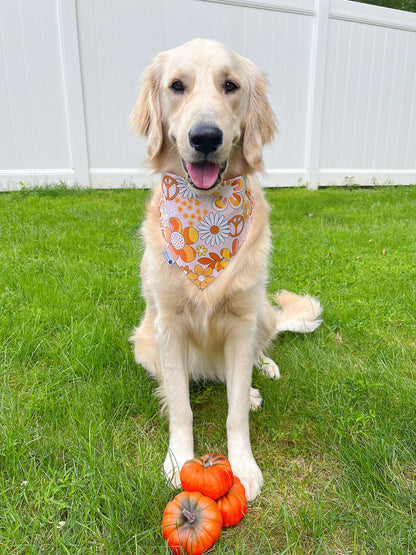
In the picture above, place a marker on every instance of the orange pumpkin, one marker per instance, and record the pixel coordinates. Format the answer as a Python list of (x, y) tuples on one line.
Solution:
[(192, 523), (233, 505), (210, 474)]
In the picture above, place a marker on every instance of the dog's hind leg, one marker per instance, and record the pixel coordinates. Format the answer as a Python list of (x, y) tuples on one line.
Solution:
[(256, 401), (297, 314), (268, 367), (266, 332)]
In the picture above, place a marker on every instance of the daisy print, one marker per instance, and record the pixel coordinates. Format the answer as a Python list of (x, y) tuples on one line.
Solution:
[(214, 229), (185, 191)]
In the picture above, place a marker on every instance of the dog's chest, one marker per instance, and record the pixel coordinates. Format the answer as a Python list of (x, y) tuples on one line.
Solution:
[(206, 329)]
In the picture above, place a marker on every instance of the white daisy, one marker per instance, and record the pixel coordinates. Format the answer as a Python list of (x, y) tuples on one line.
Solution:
[(214, 229), (185, 191)]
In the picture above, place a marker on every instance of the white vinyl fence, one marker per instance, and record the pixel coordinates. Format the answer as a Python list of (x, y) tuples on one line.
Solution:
[(342, 83)]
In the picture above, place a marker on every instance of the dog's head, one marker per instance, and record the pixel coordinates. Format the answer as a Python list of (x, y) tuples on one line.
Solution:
[(205, 113)]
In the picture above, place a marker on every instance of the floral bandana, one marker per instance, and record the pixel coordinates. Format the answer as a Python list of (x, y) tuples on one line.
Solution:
[(203, 232)]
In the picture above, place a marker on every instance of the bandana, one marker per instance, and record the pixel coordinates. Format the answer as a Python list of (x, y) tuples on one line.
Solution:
[(203, 232)]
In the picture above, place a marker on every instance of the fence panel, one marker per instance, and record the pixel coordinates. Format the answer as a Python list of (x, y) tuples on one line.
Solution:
[(342, 83), (369, 124), (34, 131)]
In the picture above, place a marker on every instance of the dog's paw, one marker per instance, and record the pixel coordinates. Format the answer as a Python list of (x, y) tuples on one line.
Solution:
[(172, 468), (256, 401), (268, 367), (249, 474), (172, 472)]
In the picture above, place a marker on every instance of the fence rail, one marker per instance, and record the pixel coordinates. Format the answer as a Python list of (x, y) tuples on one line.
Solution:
[(342, 83)]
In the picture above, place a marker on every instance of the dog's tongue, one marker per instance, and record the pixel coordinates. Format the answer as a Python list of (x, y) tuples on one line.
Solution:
[(203, 175)]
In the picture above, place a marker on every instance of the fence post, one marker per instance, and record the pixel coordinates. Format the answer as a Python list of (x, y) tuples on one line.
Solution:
[(316, 92), (73, 90)]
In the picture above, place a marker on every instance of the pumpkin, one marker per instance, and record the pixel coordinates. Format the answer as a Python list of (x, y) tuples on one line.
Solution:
[(210, 474), (192, 523), (233, 505)]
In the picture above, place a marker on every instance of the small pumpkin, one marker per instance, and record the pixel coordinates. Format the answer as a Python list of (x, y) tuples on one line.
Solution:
[(210, 474), (233, 505), (191, 522)]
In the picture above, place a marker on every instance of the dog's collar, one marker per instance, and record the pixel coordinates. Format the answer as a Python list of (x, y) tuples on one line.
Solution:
[(203, 232)]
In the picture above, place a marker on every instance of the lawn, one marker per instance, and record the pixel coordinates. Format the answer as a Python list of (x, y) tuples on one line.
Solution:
[(81, 438)]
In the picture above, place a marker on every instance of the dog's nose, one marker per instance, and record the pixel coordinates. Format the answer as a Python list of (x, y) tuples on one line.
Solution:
[(205, 138)]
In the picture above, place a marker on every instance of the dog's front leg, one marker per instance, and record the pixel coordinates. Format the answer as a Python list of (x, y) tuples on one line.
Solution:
[(175, 374), (239, 366)]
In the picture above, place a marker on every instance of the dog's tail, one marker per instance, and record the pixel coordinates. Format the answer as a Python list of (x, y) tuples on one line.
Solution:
[(297, 313)]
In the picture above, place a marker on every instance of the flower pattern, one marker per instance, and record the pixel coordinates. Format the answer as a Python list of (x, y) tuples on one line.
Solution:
[(179, 240), (185, 191), (247, 208), (201, 250), (214, 229), (231, 193), (221, 261), (201, 277), (201, 230)]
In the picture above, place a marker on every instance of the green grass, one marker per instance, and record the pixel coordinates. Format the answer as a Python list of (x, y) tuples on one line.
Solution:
[(81, 439)]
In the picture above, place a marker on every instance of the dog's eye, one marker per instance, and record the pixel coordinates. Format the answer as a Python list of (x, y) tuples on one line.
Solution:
[(177, 86), (230, 86)]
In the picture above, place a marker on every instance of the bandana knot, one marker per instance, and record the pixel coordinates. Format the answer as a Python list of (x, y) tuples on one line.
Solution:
[(203, 232)]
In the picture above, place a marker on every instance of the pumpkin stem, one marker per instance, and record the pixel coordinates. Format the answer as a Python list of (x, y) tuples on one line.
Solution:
[(190, 517), (207, 463)]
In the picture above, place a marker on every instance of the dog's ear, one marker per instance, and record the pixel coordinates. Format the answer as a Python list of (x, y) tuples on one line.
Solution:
[(146, 117), (260, 125)]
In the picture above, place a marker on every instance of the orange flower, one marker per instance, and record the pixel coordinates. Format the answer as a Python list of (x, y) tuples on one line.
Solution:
[(232, 192), (201, 277), (215, 261), (180, 240), (247, 208)]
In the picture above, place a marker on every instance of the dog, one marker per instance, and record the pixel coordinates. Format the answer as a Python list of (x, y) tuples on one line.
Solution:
[(204, 111)]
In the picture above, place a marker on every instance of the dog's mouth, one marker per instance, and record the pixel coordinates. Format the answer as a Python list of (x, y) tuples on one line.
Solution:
[(204, 175)]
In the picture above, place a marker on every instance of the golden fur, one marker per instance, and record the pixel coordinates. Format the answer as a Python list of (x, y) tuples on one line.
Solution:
[(219, 332)]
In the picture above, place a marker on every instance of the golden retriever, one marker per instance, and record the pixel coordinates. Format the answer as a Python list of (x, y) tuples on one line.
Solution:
[(205, 114)]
